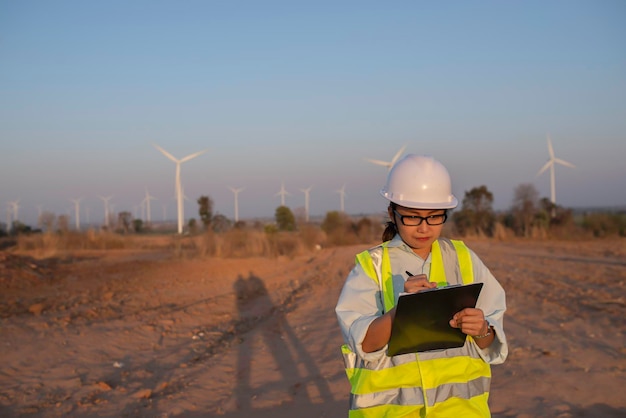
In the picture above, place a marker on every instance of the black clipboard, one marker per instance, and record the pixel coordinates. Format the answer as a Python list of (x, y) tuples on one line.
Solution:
[(422, 319)]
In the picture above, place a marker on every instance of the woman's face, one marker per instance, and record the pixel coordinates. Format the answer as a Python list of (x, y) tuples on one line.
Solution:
[(418, 237)]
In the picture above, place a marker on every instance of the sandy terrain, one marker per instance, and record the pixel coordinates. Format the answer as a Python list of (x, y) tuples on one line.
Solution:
[(125, 334)]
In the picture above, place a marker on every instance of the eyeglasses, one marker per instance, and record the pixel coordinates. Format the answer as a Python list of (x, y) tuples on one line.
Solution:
[(414, 220)]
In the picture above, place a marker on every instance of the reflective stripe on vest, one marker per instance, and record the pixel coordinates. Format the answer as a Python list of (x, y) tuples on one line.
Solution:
[(453, 382)]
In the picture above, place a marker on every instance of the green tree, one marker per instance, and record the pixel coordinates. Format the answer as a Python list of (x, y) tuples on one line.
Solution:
[(285, 220), (138, 225), (220, 223), (18, 228), (205, 210), (524, 208), (333, 222), (476, 214), (124, 220), (340, 229), (192, 224)]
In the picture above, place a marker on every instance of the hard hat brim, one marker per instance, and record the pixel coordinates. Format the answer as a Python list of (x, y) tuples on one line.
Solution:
[(451, 204)]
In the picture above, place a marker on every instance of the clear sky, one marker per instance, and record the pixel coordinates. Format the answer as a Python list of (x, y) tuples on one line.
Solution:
[(303, 92)]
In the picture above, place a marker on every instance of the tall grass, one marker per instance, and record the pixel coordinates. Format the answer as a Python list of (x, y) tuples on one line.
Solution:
[(257, 241), (54, 243)]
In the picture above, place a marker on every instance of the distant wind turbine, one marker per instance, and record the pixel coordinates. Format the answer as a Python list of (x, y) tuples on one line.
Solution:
[(388, 164), (9, 214), (306, 202), (179, 188), (282, 193), (147, 201), (236, 192), (106, 209), (342, 196), (16, 207), (39, 211), (77, 212), (550, 164)]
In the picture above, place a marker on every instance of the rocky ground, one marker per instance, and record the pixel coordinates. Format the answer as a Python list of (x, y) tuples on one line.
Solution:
[(144, 333)]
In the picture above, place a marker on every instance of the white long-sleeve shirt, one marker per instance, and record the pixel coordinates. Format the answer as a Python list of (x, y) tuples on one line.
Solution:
[(360, 302)]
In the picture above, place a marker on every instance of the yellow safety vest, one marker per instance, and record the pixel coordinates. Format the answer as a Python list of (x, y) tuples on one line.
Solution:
[(440, 383)]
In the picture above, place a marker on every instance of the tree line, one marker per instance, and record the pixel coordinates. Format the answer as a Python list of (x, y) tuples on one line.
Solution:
[(529, 216)]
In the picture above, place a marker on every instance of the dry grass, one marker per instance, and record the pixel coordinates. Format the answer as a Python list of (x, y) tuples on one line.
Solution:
[(239, 242), (52, 244)]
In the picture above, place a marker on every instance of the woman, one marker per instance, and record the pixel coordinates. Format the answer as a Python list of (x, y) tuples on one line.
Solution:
[(413, 257)]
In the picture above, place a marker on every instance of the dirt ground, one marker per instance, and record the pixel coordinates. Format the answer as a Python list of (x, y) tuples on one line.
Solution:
[(146, 334)]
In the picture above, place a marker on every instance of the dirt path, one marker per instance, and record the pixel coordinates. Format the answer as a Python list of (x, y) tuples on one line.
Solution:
[(147, 335)]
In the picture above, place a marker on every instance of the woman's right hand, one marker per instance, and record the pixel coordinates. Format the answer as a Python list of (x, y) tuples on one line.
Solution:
[(418, 283)]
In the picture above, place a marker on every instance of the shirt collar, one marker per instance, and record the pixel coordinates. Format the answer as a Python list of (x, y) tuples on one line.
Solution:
[(397, 242)]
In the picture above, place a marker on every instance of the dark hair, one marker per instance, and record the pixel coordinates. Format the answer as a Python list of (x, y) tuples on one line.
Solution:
[(390, 227)]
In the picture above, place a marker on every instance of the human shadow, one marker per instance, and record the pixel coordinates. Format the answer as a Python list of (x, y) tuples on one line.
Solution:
[(295, 366), (291, 384)]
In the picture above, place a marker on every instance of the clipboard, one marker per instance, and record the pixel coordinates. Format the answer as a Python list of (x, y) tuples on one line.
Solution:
[(422, 319)]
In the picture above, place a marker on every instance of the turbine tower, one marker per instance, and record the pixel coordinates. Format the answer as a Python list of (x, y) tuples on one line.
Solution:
[(236, 192), (179, 189), (9, 214), (388, 164), (342, 196), (147, 201), (77, 212), (16, 207), (39, 211), (106, 209), (306, 202), (282, 194), (550, 164)]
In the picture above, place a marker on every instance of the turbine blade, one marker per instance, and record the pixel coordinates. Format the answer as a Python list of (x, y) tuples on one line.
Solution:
[(398, 154), (544, 168), (379, 162), (550, 149), (194, 155), (563, 162), (167, 154)]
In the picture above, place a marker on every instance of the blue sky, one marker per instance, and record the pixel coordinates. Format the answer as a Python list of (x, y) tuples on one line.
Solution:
[(303, 92)]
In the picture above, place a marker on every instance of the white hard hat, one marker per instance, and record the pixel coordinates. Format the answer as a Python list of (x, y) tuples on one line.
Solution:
[(419, 182)]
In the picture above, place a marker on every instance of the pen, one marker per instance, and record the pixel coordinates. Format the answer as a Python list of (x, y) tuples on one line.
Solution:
[(409, 273)]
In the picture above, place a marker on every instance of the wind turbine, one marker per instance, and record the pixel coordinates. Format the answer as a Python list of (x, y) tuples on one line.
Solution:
[(179, 189), (39, 211), (106, 209), (306, 202), (236, 192), (147, 201), (282, 194), (342, 196), (77, 212), (388, 164), (550, 164), (16, 207), (9, 214)]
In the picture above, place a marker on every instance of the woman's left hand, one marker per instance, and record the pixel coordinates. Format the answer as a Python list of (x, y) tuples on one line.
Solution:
[(470, 321)]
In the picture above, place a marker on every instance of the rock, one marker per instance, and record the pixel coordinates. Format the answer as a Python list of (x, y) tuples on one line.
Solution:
[(104, 386), (143, 394), (36, 309)]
